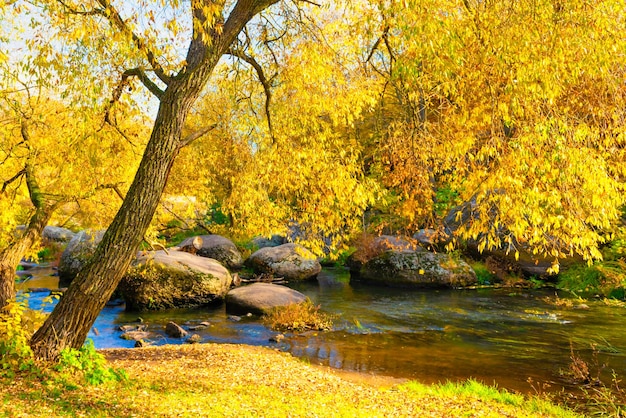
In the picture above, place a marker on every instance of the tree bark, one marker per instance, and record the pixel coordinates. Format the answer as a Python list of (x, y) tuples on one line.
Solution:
[(76, 312), (10, 257)]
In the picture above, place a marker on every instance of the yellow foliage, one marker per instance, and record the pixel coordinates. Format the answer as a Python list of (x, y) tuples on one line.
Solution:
[(518, 105)]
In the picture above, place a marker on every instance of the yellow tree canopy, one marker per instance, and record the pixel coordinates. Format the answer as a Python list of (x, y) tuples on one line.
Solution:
[(75, 158), (519, 105), (294, 158)]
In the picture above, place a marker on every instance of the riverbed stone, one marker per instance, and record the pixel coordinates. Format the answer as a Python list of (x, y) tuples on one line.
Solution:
[(78, 251), (261, 298), (174, 330), (291, 261), (421, 269), (58, 234), (137, 335), (160, 280), (214, 246), (273, 241)]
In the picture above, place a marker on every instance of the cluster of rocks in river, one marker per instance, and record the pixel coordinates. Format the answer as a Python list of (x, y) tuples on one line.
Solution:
[(198, 273), (204, 270)]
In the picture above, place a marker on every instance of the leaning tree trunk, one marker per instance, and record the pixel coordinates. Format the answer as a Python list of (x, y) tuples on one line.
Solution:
[(77, 310), (10, 257)]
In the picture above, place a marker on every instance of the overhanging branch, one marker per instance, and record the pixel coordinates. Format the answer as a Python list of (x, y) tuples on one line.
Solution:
[(12, 179), (116, 20), (264, 82), (197, 134)]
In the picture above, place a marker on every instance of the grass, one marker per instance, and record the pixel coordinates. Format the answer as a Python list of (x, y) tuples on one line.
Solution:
[(243, 381)]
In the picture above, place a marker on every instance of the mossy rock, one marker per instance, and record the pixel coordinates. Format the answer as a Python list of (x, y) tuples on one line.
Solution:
[(291, 261), (79, 250), (160, 280), (214, 246), (419, 269)]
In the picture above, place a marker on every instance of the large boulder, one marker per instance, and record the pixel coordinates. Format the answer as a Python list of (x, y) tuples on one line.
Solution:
[(291, 261), (260, 298), (417, 269), (370, 247), (214, 246), (78, 251), (58, 234), (160, 280), (273, 241)]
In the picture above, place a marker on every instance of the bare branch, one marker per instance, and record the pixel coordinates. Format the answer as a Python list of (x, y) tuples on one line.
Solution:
[(264, 81), (377, 44), (116, 20), (74, 11), (12, 179), (197, 134)]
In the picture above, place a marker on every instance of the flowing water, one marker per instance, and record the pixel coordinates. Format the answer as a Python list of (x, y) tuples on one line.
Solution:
[(502, 336)]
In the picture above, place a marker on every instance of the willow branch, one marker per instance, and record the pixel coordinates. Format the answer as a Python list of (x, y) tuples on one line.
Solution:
[(12, 179), (116, 20), (197, 134), (377, 44), (264, 82), (74, 11)]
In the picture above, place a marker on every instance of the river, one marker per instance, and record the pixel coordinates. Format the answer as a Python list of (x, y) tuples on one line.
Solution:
[(497, 336)]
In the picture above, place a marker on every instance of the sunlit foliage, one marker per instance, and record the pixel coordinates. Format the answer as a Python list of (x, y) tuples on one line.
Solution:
[(518, 105)]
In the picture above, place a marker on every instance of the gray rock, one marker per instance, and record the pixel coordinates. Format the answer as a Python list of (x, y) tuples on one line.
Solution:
[(261, 298), (174, 330), (136, 335), (417, 269), (214, 246), (160, 280), (58, 234), (291, 261), (194, 339), (77, 253), (273, 241)]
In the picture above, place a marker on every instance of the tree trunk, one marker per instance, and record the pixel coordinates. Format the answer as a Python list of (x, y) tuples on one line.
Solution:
[(79, 307), (77, 310), (10, 257)]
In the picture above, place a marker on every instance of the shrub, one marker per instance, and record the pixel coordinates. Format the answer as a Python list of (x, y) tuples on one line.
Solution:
[(299, 317), (15, 332), (88, 365)]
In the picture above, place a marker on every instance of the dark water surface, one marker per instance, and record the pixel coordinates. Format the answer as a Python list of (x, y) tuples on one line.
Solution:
[(502, 336)]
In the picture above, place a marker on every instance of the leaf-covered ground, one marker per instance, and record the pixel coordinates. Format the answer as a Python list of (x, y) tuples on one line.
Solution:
[(211, 380)]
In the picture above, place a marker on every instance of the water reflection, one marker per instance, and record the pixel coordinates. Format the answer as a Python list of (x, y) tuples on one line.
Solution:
[(496, 336)]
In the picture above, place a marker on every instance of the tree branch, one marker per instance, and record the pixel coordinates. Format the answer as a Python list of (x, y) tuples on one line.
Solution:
[(264, 81), (12, 179), (74, 11), (143, 77), (116, 20), (196, 135), (377, 43)]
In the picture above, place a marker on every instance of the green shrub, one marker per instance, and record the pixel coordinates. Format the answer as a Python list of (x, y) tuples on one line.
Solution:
[(17, 324), (88, 364), (483, 275), (607, 278)]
